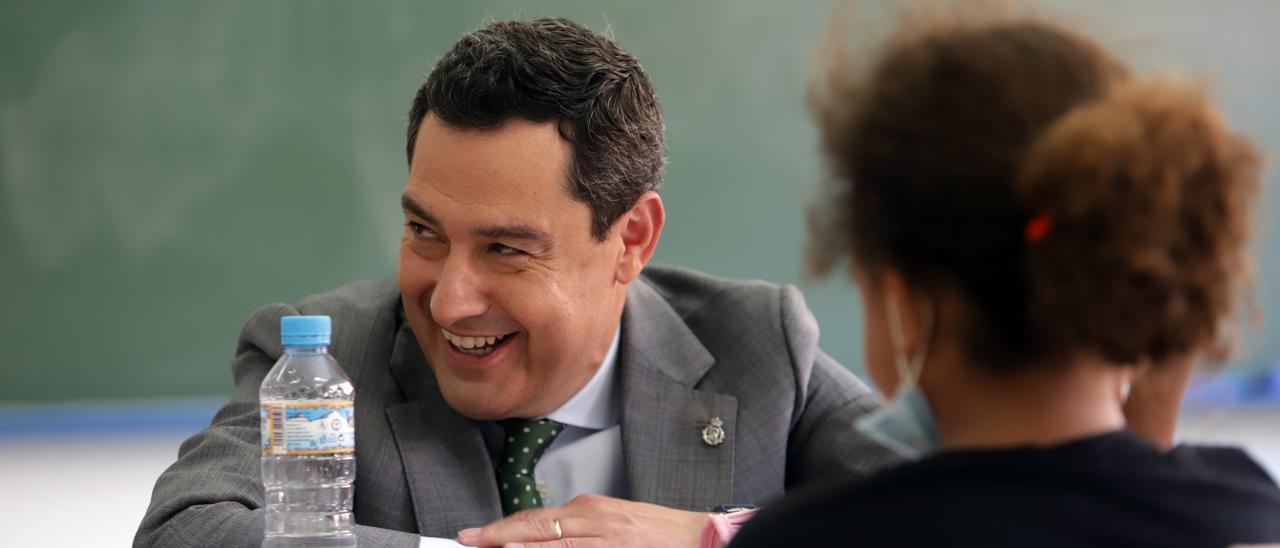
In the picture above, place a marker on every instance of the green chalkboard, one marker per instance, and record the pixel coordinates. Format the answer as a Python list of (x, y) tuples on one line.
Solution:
[(167, 167)]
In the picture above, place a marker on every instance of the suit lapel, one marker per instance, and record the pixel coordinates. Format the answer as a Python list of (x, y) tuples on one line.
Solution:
[(447, 464), (451, 479), (663, 416)]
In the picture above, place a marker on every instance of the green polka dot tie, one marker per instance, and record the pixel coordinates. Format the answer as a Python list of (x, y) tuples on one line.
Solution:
[(525, 442)]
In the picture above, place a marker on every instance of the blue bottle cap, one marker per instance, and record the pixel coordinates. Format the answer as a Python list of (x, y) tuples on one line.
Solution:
[(305, 330)]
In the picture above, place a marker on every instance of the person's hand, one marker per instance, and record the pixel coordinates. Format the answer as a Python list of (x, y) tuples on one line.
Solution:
[(1155, 398), (590, 521)]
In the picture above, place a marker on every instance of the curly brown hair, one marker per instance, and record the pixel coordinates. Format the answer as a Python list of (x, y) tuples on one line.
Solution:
[(1076, 207)]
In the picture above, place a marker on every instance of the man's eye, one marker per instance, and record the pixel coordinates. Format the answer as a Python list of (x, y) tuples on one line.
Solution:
[(419, 230), (505, 250)]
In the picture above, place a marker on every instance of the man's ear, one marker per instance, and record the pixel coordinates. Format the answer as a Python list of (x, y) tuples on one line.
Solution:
[(639, 229)]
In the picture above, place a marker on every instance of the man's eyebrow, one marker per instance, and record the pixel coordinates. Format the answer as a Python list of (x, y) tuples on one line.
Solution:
[(415, 208), (516, 231)]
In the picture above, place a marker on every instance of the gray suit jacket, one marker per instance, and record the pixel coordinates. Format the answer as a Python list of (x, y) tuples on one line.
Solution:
[(692, 347)]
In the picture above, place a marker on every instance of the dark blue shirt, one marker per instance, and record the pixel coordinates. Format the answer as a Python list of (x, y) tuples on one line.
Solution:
[(1114, 489)]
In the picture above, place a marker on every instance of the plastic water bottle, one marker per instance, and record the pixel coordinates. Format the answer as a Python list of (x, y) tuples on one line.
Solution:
[(308, 441)]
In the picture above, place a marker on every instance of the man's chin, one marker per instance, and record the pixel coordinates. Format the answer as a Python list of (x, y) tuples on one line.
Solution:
[(471, 393), (473, 404)]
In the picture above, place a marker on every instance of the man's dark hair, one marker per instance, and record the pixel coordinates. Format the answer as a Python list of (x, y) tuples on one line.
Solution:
[(554, 69)]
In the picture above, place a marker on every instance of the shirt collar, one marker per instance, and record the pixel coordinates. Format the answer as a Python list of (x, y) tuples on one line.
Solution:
[(595, 406)]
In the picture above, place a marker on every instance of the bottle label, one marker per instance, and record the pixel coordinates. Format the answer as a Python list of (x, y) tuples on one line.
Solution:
[(308, 428)]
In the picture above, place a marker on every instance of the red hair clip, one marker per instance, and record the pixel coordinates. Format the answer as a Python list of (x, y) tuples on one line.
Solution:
[(1038, 227)]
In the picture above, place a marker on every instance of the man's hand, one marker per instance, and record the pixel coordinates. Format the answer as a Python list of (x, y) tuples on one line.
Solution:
[(589, 521)]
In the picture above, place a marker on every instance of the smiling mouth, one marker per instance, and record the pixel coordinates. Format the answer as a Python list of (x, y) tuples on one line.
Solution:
[(475, 346)]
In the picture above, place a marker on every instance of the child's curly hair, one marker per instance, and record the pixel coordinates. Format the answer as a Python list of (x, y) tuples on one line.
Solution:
[(1076, 207)]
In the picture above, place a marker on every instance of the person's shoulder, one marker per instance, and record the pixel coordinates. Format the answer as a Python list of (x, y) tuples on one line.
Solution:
[(1101, 485), (689, 291), (708, 303), (1231, 485), (1230, 463), (730, 315), (842, 512), (750, 322), (961, 492)]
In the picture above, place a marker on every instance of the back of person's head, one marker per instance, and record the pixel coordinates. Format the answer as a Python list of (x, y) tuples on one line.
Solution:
[(553, 69), (1075, 207)]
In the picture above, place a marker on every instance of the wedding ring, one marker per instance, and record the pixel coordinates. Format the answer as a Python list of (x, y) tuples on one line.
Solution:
[(559, 533)]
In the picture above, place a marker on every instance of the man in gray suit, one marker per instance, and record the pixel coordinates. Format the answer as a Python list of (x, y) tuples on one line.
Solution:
[(524, 317)]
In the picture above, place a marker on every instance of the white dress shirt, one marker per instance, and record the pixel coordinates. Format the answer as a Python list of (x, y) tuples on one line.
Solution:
[(587, 456)]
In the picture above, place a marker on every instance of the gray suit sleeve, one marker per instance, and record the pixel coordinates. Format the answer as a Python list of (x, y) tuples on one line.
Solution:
[(824, 443), (212, 496)]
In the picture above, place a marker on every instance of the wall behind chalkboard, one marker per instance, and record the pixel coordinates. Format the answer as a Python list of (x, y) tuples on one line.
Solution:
[(167, 167)]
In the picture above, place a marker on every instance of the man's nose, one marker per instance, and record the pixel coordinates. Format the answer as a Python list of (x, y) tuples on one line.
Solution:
[(459, 293)]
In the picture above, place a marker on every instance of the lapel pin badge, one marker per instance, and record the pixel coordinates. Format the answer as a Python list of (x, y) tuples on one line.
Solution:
[(713, 434)]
